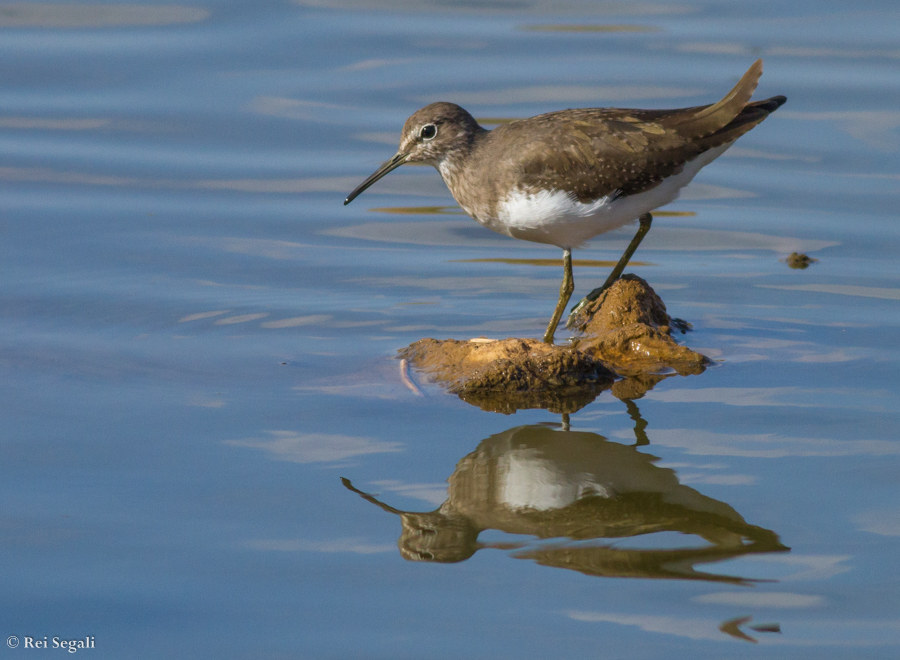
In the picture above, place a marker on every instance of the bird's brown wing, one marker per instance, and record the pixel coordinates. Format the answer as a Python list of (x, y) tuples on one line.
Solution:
[(600, 152)]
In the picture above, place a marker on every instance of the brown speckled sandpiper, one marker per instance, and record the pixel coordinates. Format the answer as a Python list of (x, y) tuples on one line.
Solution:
[(564, 177)]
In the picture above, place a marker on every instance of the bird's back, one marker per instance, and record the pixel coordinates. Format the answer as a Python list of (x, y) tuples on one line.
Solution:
[(602, 153)]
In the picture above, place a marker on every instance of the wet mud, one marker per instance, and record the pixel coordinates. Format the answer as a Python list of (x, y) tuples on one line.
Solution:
[(799, 261), (506, 375), (629, 330), (624, 342)]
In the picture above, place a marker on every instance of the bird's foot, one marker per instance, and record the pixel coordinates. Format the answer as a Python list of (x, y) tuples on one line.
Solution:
[(574, 319), (576, 316)]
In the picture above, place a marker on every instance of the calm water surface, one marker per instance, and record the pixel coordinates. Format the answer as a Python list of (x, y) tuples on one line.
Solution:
[(197, 340)]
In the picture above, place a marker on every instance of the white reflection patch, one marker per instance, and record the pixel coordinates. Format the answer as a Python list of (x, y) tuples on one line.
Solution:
[(874, 127), (718, 479), (297, 321), (567, 93), (531, 482), (671, 625), (883, 523), (201, 315), (243, 318), (806, 567), (669, 234), (274, 106), (772, 599), (73, 15), (794, 397), (765, 445), (840, 289), (805, 632), (41, 123), (434, 494), (316, 447)]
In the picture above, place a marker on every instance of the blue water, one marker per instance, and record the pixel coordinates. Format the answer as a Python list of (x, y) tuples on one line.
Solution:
[(197, 338)]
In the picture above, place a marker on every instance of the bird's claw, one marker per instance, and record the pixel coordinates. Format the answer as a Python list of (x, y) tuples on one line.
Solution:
[(574, 318)]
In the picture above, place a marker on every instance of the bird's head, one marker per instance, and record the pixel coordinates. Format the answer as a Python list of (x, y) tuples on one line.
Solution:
[(429, 136)]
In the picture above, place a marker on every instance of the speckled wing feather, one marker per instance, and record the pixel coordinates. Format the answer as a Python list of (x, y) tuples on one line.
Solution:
[(599, 152)]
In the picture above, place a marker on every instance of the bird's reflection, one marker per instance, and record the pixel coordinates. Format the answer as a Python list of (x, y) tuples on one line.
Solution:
[(568, 489)]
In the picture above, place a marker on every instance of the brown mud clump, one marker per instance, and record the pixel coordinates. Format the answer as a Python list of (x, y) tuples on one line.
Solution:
[(511, 374), (629, 330), (799, 260), (626, 333)]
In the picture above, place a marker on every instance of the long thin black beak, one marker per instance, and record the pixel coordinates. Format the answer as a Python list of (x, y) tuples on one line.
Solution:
[(395, 162), (370, 498)]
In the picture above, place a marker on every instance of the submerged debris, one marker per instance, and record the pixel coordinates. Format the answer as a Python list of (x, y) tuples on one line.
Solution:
[(799, 260), (625, 332)]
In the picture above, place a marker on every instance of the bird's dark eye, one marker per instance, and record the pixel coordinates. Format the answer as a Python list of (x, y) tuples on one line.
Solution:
[(428, 131)]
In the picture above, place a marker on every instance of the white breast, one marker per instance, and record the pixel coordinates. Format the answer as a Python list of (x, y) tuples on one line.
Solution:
[(527, 481), (558, 218)]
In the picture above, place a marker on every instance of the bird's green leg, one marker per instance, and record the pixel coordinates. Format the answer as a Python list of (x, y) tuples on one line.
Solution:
[(640, 424), (565, 292), (616, 273)]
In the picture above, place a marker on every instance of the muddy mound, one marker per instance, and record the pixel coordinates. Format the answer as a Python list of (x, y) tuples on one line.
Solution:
[(626, 332), (630, 331), (799, 260), (628, 301), (509, 374)]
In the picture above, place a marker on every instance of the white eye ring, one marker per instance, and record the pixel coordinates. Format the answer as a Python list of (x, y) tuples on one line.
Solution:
[(428, 132)]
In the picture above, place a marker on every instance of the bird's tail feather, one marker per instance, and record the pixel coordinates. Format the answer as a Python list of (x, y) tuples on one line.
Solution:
[(704, 121), (752, 115)]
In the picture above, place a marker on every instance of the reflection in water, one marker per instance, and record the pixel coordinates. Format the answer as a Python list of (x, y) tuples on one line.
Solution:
[(877, 128), (590, 28), (72, 15), (755, 50), (42, 123), (732, 627), (569, 400), (518, 7), (839, 289), (276, 106), (586, 263), (463, 233), (640, 425), (419, 210), (587, 94), (577, 487)]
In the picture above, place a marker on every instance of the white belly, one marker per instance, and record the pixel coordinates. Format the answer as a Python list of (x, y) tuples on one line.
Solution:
[(557, 218), (525, 480)]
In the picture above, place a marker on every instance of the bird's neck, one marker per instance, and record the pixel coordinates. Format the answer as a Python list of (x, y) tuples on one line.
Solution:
[(454, 168)]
